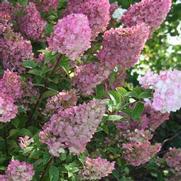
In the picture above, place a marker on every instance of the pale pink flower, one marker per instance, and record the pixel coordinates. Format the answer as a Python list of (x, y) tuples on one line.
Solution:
[(71, 36), (138, 153), (19, 171), (73, 127), (25, 141), (88, 76), (166, 86), (95, 169), (8, 109)]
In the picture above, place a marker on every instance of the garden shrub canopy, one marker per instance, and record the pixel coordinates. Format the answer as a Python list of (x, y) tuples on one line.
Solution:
[(90, 90)]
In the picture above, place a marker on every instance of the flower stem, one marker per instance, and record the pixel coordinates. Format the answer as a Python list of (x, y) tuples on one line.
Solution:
[(31, 118), (45, 169)]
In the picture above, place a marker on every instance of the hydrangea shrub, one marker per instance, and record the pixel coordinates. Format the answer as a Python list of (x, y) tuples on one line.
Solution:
[(67, 111)]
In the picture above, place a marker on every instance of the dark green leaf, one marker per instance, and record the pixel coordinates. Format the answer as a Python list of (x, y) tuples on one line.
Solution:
[(53, 173)]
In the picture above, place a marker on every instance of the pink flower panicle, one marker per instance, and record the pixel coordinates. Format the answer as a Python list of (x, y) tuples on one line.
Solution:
[(122, 46), (8, 109), (95, 169), (71, 36), (173, 159), (150, 12), (62, 100), (19, 171), (25, 141), (97, 12), (138, 135), (149, 79), (73, 127), (6, 10), (166, 86), (13, 50), (139, 150), (11, 85), (152, 119), (88, 76), (6, 7), (3, 178), (113, 7), (46, 5), (138, 153), (4, 22), (30, 23)]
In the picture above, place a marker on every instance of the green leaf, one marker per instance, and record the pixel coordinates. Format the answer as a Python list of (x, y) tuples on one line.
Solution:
[(29, 64), (122, 91), (100, 92), (136, 92), (35, 72), (136, 113), (53, 173), (113, 117), (145, 94), (49, 93), (71, 169)]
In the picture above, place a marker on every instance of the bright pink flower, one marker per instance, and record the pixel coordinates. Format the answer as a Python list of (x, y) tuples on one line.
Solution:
[(95, 169), (7, 8), (46, 5), (138, 153), (19, 171), (5, 16), (62, 100), (8, 109), (3, 178), (122, 46), (30, 23), (150, 12), (173, 159), (73, 127), (11, 84), (71, 36), (88, 76), (13, 50), (97, 12)]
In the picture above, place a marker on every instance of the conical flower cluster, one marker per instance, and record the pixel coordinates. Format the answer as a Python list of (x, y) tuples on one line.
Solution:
[(30, 22), (71, 36), (95, 169), (166, 86), (150, 12), (122, 46), (97, 11), (73, 127)]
